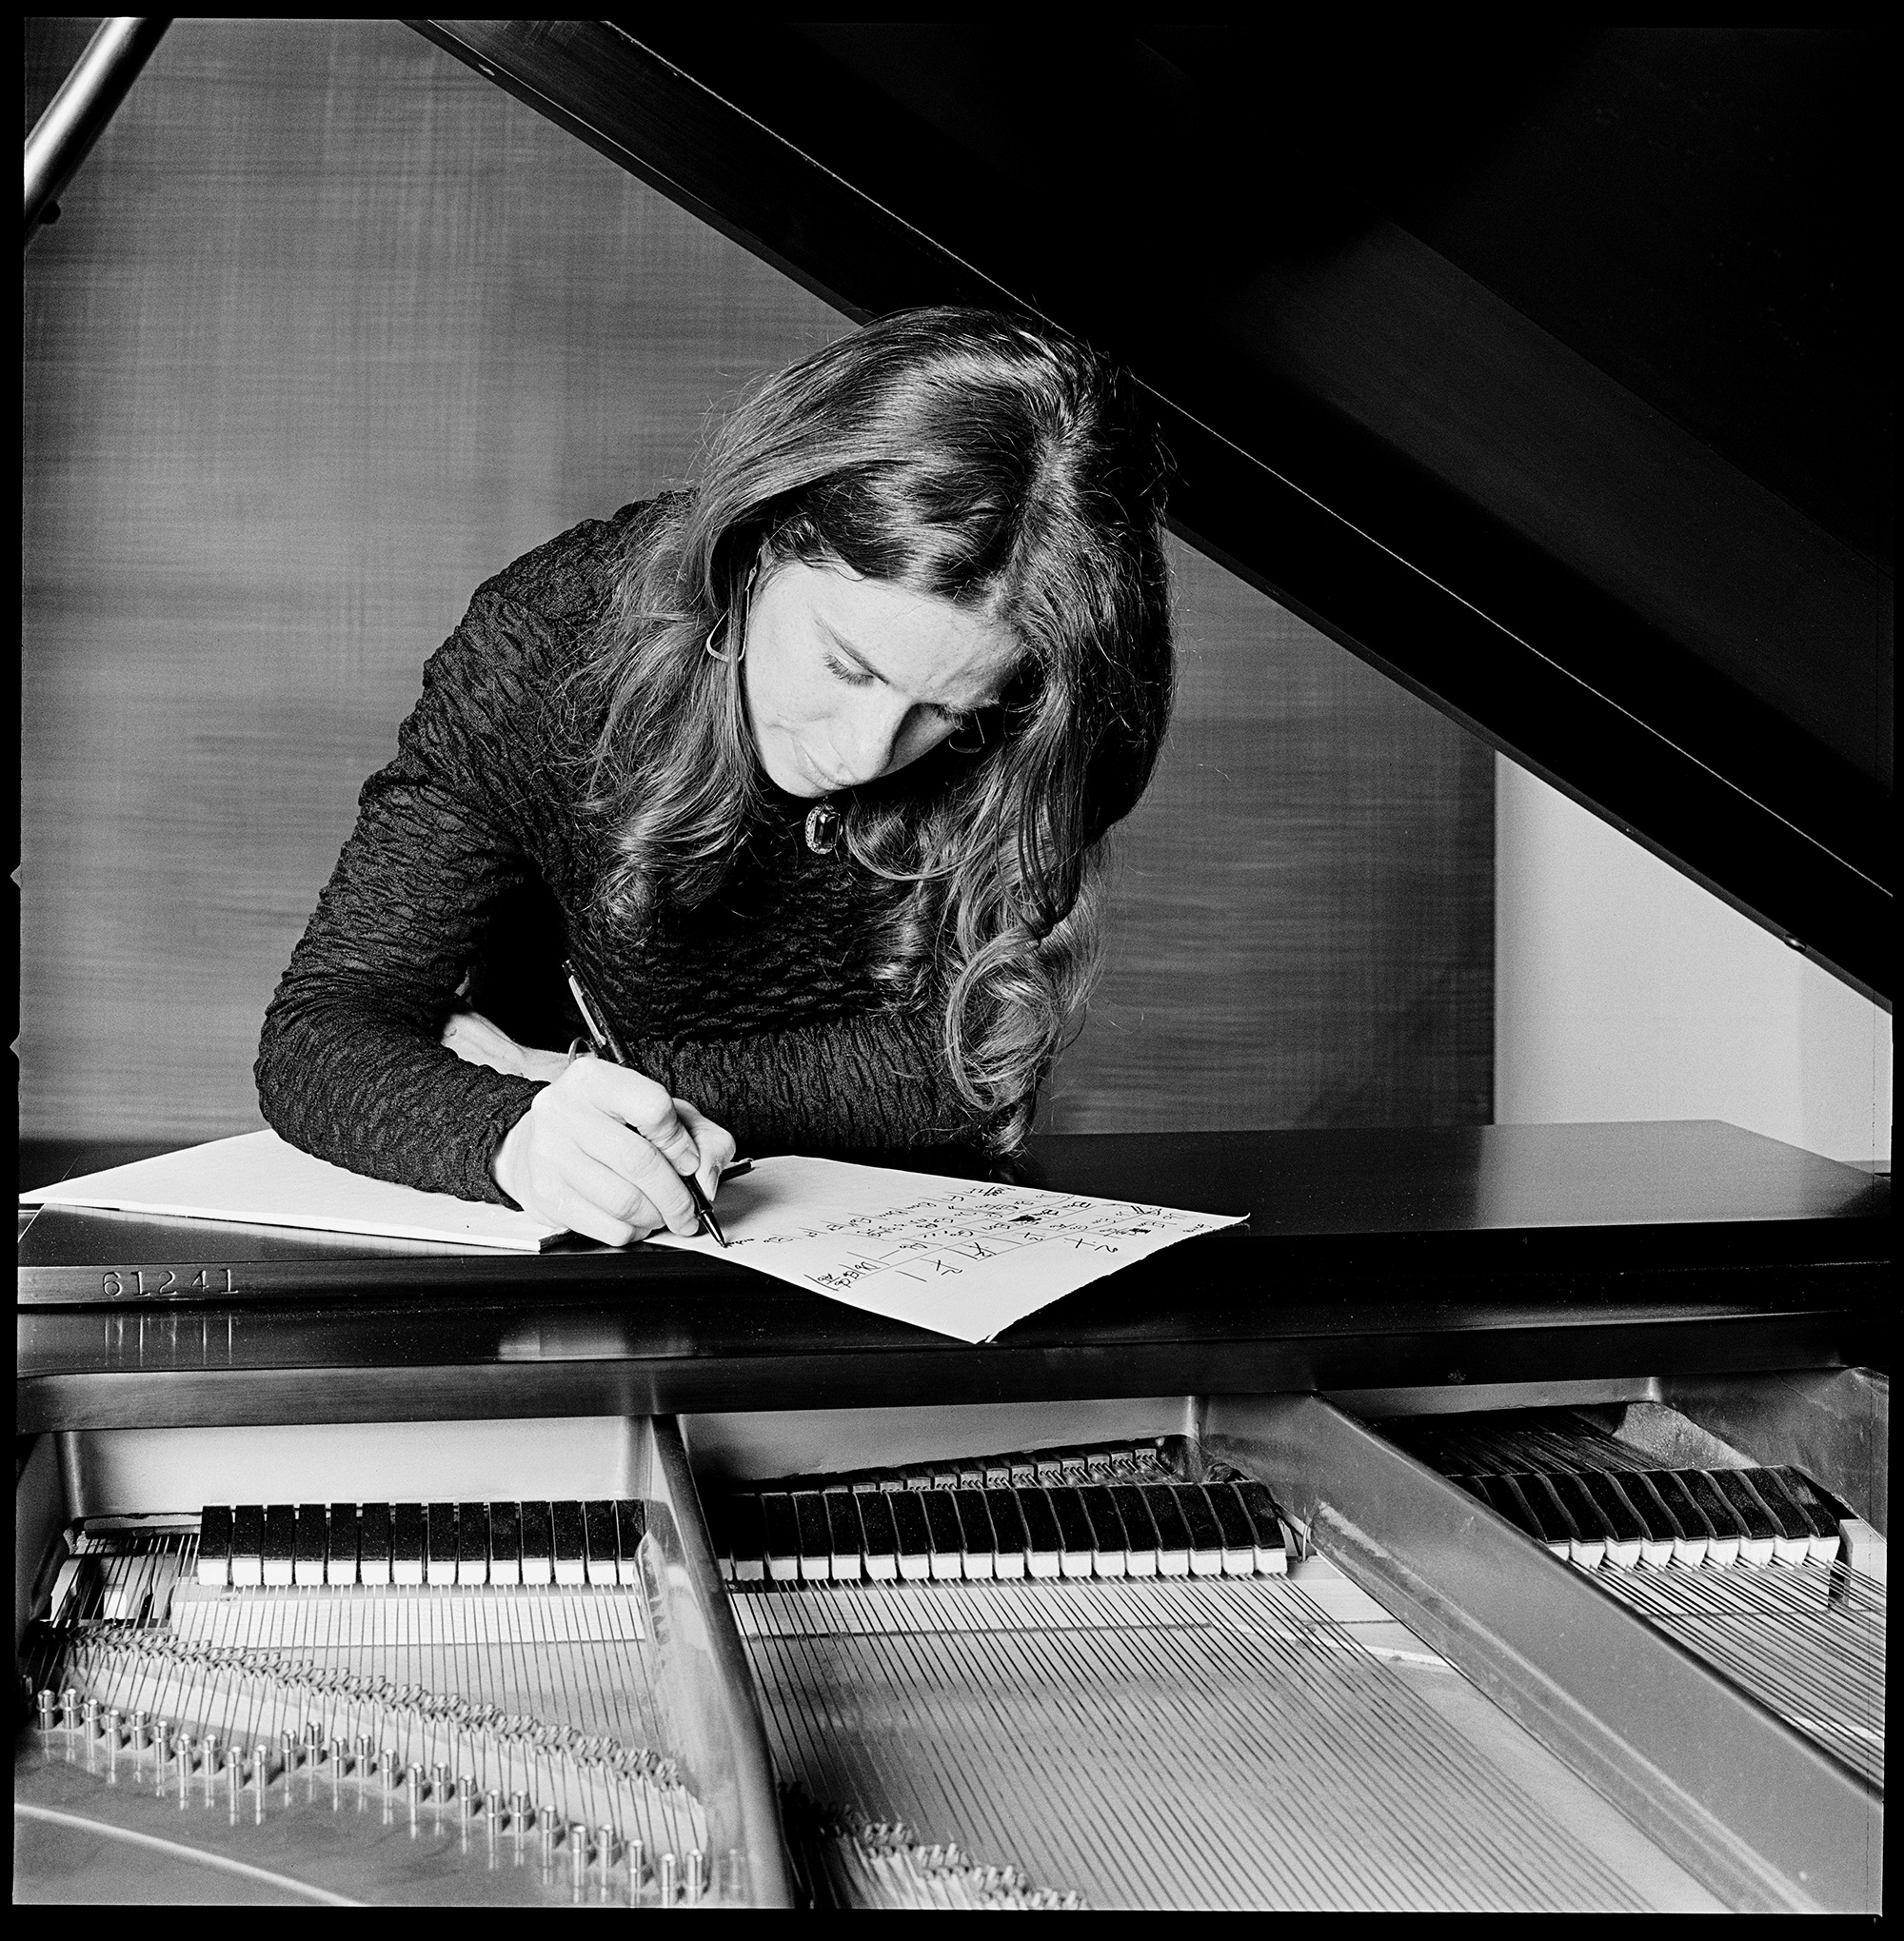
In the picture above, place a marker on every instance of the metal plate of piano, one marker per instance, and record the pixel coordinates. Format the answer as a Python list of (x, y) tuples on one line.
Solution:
[(1116, 1715)]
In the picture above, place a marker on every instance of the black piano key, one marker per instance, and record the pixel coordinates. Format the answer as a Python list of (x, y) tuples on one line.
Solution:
[(1172, 1533), (631, 1525), (569, 1528), (340, 1557), (1625, 1532), (1239, 1533), (747, 1538), (472, 1544), (1589, 1525), (311, 1545), (782, 1536), (1549, 1513), (538, 1543), (941, 1525), (879, 1536), (815, 1537), (1077, 1544), (1728, 1531), (1008, 1528), (1494, 1492), (279, 1553), (373, 1543), (979, 1542), (409, 1539), (1044, 1545), (1110, 1548), (603, 1564), (214, 1546), (506, 1543), (440, 1543), (844, 1537), (1207, 1540), (1139, 1531), (1759, 1533), (1272, 1546), (910, 1531)]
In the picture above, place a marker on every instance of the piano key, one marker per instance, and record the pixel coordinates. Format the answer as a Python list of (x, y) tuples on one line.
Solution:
[(1661, 1542), (1727, 1533), (506, 1543), (214, 1546), (879, 1536), (1589, 1530), (279, 1553), (914, 1539), (164, 1580), (472, 1544), (1625, 1532), (340, 1556), (1272, 1546), (1556, 1526), (1044, 1545), (537, 1544), (1756, 1546), (1207, 1540), (947, 1539), (603, 1564), (815, 1537), (310, 1546), (440, 1544), (721, 1515), (631, 1525), (1695, 1535), (1823, 1536), (747, 1538), (1172, 1533), (570, 1538), (1238, 1537), (1077, 1543), (1791, 1542), (1008, 1560), (127, 1583), (373, 1544), (979, 1543), (782, 1536), (1110, 1548), (1139, 1531), (846, 1535)]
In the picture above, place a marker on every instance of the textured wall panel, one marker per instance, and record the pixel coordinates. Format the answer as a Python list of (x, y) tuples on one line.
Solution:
[(330, 330)]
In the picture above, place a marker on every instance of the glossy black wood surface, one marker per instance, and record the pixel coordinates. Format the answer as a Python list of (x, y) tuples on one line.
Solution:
[(1370, 1259), (1361, 426)]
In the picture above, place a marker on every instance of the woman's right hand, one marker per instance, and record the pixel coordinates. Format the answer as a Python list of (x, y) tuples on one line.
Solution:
[(602, 1152)]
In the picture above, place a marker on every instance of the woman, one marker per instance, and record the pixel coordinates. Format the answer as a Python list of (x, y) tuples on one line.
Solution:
[(808, 770)]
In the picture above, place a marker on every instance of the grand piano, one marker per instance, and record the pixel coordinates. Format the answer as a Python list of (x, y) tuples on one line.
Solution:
[(1495, 1519)]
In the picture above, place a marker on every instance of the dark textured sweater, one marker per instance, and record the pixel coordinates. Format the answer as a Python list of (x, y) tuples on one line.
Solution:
[(472, 859)]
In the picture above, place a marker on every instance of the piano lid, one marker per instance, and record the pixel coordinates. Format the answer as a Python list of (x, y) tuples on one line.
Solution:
[(1560, 395)]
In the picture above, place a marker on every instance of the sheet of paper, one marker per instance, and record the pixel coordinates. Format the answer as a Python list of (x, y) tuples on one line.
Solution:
[(962, 1258), (258, 1181)]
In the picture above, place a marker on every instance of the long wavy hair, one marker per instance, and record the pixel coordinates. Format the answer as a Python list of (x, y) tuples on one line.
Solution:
[(980, 459)]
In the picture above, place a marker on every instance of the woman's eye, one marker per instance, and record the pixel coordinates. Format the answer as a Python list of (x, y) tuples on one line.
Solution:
[(853, 677)]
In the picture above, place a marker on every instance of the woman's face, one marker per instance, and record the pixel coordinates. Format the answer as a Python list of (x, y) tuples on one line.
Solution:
[(849, 678)]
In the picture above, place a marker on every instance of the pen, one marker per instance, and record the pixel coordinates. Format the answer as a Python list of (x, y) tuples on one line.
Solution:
[(602, 1034)]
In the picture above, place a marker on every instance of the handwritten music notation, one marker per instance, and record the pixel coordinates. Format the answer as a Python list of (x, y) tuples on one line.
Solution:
[(962, 1258)]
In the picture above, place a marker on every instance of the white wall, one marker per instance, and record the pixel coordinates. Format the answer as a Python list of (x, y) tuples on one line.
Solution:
[(1625, 991)]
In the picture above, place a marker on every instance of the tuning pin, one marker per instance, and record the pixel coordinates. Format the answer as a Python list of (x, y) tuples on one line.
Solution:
[(90, 1714), (359, 1751), (519, 1804), (605, 1848), (668, 1866), (578, 1854), (185, 1766), (313, 1734), (466, 1793), (414, 1776), (492, 1806), (141, 1724), (697, 1868), (48, 1704)]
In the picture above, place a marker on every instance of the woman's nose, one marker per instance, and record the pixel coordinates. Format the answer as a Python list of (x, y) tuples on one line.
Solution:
[(876, 732)]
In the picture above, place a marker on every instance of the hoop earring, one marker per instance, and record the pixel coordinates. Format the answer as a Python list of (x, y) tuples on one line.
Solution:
[(977, 723)]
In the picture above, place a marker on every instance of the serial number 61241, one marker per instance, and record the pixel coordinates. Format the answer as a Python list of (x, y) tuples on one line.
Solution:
[(140, 1282)]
